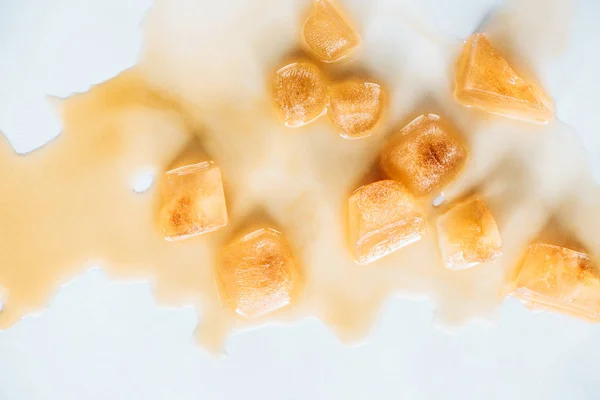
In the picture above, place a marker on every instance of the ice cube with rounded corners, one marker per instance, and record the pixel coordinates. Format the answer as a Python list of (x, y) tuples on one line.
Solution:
[(257, 273), (559, 279), (193, 201), (383, 217), (356, 106), (327, 34), (468, 235), (425, 155), (485, 80), (300, 92)]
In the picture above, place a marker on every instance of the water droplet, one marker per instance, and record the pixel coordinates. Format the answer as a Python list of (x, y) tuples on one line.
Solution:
[(142, 181), (438, 200)]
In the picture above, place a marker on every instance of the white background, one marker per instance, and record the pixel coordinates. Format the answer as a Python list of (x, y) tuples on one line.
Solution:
[(106, 340)]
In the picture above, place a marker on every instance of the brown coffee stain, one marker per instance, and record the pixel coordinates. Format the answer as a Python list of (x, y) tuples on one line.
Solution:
[(70, 204)]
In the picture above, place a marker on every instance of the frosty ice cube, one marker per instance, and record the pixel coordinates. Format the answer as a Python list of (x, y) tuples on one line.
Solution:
[(257, 273), (425, 155), (327, 34), (383, 217), (193, 201), (355, 107), (468, 235), (559, 279), (300, 93), (486, 81)]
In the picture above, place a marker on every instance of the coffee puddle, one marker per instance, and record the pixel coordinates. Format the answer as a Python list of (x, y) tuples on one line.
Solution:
[(202, 78)]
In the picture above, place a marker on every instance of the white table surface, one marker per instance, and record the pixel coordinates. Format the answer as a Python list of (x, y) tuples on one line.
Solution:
[(107, 340)]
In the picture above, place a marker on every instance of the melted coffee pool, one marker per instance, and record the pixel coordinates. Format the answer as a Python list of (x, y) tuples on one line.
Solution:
[(203, 82)]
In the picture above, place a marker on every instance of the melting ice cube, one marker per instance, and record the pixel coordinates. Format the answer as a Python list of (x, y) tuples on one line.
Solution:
[(383, 217), (355, 107), (468, 235), (484, 79), (560, 279), (300, 93), (327, 33), (258, 273), (425, 155), (193, 201)]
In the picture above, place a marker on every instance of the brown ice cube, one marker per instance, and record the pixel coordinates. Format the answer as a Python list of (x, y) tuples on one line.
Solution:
[(300, 92), (327, 34), (468, 235), (425, 155), (356, 106), (258, 273), (559, 279), (383, 217), (193, 201), (485, 80)]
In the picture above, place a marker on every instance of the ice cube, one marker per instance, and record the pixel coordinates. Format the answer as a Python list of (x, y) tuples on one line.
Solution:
[(257, 273), (300, 93), (383, 217), (468, 235), (425, 155), (485, 80), (193, 201), (327, 34), (355, 107), (559, 279)]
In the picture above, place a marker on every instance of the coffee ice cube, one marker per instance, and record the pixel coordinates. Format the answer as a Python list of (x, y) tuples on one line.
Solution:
[(468, 235), (356, 107), (257, 273), (425, 155), (559, 279), (193, 201), (300, 92), (327, 34), (383, 217), (485, 80)]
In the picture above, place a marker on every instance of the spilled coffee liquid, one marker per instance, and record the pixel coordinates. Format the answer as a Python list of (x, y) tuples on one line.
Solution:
[(203, 82)]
